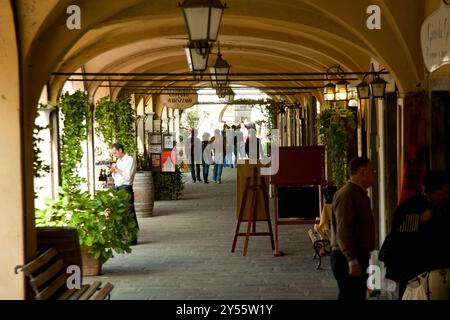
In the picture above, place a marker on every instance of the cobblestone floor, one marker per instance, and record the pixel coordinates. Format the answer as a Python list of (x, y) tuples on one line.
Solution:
[(184, 253)]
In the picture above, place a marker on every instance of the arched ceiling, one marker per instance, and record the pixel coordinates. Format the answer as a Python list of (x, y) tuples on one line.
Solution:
[(255, 36)]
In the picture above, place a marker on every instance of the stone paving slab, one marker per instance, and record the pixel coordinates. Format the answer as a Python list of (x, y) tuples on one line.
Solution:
[(184, 253)]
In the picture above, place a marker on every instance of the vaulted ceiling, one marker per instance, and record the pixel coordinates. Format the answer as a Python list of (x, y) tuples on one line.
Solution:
[(255, 36)]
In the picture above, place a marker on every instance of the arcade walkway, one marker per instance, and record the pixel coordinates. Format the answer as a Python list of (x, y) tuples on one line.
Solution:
[(184, 254)]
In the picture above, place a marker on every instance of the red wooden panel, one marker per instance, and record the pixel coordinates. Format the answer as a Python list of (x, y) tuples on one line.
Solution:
[(300, 166)]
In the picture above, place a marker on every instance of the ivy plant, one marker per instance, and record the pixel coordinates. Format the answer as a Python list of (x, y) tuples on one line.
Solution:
[(105, 119), (335, 125), (76, 114), (115, 122), (40, 167)]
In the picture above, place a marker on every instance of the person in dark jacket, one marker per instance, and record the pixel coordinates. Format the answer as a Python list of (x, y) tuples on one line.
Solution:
[(419, 240), (206, 156), (193, 149), (253, 147), (353, 231)]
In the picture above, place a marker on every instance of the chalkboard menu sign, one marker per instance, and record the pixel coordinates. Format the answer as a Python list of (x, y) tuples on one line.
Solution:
[(299, 202)]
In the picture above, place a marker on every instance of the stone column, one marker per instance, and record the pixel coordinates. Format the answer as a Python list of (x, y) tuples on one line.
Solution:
[(17, 204)]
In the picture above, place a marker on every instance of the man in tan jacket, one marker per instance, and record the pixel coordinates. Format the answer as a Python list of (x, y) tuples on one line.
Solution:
[(353, 231)]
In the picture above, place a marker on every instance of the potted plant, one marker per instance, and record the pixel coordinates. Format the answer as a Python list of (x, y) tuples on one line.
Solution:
[(103, 223), (335, 125)]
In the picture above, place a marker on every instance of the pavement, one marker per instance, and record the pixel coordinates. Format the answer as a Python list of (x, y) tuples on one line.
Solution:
[(184, 253)]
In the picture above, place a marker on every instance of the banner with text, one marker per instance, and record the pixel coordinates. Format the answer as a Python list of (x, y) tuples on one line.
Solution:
[(435, 39)]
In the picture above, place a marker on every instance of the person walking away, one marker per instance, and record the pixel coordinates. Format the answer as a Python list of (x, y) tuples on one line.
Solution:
[(123, 172), (218, 156), (224, 140), (206, 155), (229, 147), (240, 145), (253, 147), (353, 231), (193, 151)]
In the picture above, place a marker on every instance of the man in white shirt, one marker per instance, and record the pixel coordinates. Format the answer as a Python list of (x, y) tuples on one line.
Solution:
[(123, 172)]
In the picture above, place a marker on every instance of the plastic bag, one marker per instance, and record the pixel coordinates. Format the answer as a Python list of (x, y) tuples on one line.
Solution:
[(415, 290)]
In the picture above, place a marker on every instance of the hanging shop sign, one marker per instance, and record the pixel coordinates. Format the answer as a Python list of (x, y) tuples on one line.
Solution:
[(179, 100), (435, 38)]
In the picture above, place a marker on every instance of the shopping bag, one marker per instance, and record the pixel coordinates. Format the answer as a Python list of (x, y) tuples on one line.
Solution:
[(415, 289)]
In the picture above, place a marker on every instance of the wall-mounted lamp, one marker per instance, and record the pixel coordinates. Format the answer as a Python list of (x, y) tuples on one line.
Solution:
[(377, 87), (338, 91)]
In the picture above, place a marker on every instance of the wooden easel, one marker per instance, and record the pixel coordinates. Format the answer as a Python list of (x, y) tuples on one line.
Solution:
[(253, 188)]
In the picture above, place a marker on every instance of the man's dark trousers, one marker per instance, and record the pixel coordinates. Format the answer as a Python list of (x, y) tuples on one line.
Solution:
[(131, 210), (350, 288)]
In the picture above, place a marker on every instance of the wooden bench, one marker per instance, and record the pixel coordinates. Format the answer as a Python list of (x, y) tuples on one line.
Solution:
[(321, 244), (48, 277)]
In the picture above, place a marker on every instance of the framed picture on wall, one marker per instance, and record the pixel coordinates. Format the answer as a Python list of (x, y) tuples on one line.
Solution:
[(168, 142), (156, 160), (156, 125), (155, 148), (155, 138)]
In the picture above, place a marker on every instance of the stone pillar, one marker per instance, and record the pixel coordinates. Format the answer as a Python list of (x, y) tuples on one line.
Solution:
[(373, 154), (15, 219)]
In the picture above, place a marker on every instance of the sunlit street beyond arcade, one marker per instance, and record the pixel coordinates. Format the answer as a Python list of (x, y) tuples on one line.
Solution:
[(185, 254)]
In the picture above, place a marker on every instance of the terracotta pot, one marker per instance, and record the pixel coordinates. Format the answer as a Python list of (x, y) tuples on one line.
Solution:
[(64, 240), (91, 266)]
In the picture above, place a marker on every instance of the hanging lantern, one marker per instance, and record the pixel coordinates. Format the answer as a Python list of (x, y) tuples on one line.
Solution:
[(229, 95), (329, 92), (363, 90), (341, 91), (378, 87), (197, 56), (219, 72), (202, 19)]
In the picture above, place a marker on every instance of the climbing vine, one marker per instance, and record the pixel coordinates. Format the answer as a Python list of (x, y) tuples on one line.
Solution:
[(335, 125), (115, 122), (125, 130), (76, 113), (105, 115), (40, 167)]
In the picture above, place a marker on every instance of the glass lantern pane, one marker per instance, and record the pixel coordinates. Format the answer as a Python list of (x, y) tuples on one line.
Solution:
[(378, 90), (216, 17), (364, 92), (199, 62), (197, 23)]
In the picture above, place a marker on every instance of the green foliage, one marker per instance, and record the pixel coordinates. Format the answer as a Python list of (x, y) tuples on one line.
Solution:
[(39, 165), (192, 118), (115, 122), (105, 119), (103, 223), (76, 119), (143, 162), (269, 113), (335, 125), (168, 185), (125, 130)]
